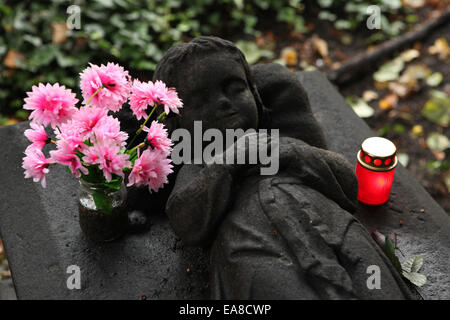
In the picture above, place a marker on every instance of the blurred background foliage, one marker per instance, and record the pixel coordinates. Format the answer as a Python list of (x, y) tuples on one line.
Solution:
[(36, 45)]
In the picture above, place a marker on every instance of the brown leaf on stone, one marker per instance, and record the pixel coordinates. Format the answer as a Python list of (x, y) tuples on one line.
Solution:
[(59, 32), (12, 59)]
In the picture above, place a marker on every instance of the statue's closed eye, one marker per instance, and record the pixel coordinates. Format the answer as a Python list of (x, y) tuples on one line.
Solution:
[(235, 86)]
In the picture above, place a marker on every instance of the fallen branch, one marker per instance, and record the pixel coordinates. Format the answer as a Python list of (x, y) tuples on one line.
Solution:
[(367, 60)]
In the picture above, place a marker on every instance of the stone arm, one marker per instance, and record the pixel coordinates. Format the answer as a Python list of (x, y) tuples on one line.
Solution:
[(199, 201), (203, 193)]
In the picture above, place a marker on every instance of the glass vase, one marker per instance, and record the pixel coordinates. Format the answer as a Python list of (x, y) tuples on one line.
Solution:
[(102, 211)]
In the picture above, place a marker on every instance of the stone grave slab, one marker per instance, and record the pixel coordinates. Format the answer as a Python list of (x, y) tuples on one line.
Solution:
[(42, 237)]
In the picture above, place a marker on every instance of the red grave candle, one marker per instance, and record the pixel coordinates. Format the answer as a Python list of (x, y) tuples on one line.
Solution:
[(375, 170)]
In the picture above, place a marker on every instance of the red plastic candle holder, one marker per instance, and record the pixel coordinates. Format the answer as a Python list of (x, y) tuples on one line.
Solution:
[(375, 168)]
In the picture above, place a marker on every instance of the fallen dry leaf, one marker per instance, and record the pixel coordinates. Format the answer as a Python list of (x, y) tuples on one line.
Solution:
[(400, 89), (336, 65), (307, 53), (388, 102), (59, 32), (12, 59), (440, 47), (340, 55), (381, 85), (289, 56), (415, 4), (413, 73), (320, 45), (439, 155), (11, 121), (370, 95), (417, 130), (409, 55)]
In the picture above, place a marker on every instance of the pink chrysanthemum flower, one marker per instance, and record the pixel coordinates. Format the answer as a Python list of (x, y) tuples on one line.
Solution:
[(35, 165), (114, 81), (148, 93), (90, 156), (142, 95), (87, 118), (37, 136), (168, 97), (109, 160), (70, 134), (65, 154), (108, 128), (158, 137), (51, 104), (152, 169)]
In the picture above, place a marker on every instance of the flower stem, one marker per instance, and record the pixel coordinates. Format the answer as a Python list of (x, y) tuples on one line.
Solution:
[(141, 145), (138, 132), (146, 120), (93, 95)]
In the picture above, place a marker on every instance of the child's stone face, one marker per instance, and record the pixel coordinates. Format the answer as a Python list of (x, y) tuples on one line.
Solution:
[(214, 90)]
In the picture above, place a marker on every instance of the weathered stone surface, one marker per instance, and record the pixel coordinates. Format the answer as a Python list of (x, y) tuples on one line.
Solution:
[(7, 291), (42, 236)]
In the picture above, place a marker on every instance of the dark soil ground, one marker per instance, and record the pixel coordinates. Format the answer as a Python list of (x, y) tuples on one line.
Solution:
[(416, 148), (408, 110)]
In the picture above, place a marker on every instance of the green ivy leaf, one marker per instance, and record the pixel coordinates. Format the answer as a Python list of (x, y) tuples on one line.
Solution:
[(403, 158), (361, 107), (438, 142), (437, 109), (252, 52), (389, 71), (434, 79)]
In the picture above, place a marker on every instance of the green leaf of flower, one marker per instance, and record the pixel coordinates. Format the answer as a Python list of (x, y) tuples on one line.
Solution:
[(102, 201), (389, 250)]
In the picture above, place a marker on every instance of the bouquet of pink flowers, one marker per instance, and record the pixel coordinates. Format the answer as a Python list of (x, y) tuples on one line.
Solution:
[(89, 142)]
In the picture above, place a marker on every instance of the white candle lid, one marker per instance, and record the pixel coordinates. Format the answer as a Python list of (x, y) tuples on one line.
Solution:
[(378, 147)]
